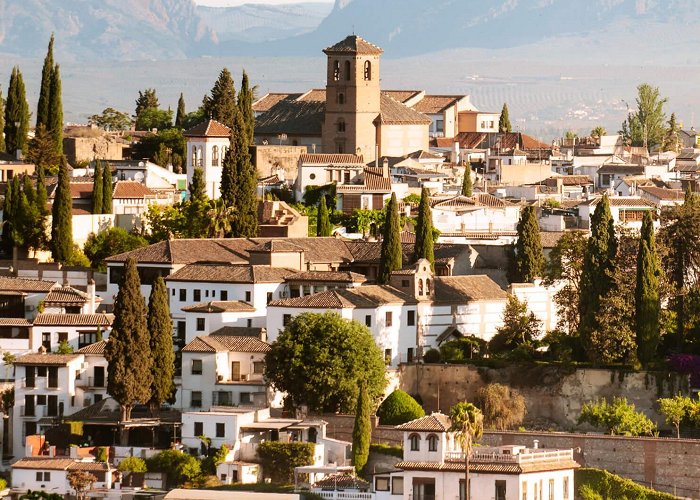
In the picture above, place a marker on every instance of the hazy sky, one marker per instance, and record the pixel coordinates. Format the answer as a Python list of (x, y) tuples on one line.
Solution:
[(228, 3)]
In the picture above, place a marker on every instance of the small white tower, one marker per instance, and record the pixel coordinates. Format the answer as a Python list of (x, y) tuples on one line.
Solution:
[(207, 144)]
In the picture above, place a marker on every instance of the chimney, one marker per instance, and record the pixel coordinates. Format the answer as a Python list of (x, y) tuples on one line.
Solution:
[(536, 444), (385, 168), (91, 296)]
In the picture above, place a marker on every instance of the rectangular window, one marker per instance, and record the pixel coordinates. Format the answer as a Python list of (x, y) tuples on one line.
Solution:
[(286, 319), (86, 338), (566, 488), (40, 371), (224, 294), (524, 489), (200, 324), (43, 477), (63, 336), (248, 297), (46, 340), (368, 320), (405, 283), (500, 490), (411, 318), (258, 366), (196, 367), (198, 429), (41, 399), (196, 399), (183, 295), (551, 489), (206, 293), (397, 486), (173, 292), (388, 318), (220, 429), (197, 295), (246, 398), (181, 330), (306, 290), (381, 484), (269, 297)]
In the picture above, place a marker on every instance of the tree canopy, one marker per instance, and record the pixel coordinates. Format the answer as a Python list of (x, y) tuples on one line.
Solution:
[(424, 246), (645, 125), (391, 256), (504, 125)]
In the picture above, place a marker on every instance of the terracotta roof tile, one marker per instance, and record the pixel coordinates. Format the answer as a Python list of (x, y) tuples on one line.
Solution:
[(622, 201), (462, 289), (96, 348), (353, 44), (327, 277), (298, 117), (66, 295), (435, 422), (73, 320), (240, 331), (331, 299), (273, 246), (26, 285), (131, 189), (367, 296), (401, 95), (313, 95), (343, 482), (664, 194), (18, 322), (46, 359), (433, 104), (394, 112), (209, 128), (231, 343), (269, 100), (43, 463), (222, 273), (331, 159), (220, 306)]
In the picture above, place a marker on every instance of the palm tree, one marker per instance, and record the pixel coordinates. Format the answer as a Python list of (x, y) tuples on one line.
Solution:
[(468, 425), (220, 217)]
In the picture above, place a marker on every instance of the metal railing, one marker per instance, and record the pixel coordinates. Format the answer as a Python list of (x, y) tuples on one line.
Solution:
[(520, 458), (345, 495)]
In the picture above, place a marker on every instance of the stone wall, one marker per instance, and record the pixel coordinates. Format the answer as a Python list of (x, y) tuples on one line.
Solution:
[(553, 395), (671, 465)]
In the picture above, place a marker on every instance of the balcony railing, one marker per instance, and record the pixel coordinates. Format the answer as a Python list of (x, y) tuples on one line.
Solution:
[(92, 382), (520, 458), (40, 383), (345, 495)]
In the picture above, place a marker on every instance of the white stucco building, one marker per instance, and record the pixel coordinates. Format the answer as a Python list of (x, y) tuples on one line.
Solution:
[(207, 144)]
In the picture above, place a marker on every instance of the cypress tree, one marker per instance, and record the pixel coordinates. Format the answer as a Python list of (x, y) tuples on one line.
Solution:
[(245, 106), (42, 109), (127, 352), (146, 100), (228, 173), (391, 255), (160, 328), (7, 219), (106, 189), (62, 219), (16, 112), (529, 256), (181, 113), (323, 222), (197, 193), (361, 430), (598, 267), (245, 202), (22, 220), (2, 122), (221, 105), (646, 297), (55, 125), (41, 204), (504, 120), (97, 188), (467, 184), (423, 248)]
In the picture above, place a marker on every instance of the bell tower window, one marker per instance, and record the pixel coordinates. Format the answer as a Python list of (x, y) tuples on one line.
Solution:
[(336, 70), (341, 125), (368, 70), (215, 156), (347, 70), (341, 98)]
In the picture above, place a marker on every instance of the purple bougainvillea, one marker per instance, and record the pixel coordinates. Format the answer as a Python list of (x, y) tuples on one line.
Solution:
[(688, 364)]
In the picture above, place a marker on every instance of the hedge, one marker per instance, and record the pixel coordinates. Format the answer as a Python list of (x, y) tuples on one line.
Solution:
[(387, 449), (594, 484), (278, 459), (398, 408)]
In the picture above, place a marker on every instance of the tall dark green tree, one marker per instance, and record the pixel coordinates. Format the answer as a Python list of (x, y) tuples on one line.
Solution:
[(529, 256), (22, 216), (145, 101), (245, 107), (504, 121), (645, 126), (160, 328), (197, 193), (245, 202), (34, 231), (323, 222), (97, 188), (424, 246), (2, 122), (467, 183), (221, 104), (16, 114), (228, 174), (42, 150), (127, 352), (361, 431), (62, 219), (181, 113), (646, 297), (56, 111), (597, 276), (42, 109), (106, 189), (7, 219), (391, 256)]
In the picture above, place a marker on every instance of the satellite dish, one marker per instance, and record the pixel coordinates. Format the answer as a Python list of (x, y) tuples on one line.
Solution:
[(138, 176)]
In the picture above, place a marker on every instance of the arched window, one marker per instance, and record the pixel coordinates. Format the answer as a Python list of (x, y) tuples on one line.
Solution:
[(347, 70), (420, 287), (194, 156), (341, 98), (336, 70), (341, 125), (368, 70), (427, 286), (224, 150), (432, 442), (215, 156), (199, 156), (414, 439)]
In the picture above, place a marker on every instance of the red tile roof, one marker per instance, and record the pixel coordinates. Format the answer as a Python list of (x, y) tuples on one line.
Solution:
[(218, 273), (19, 322), (331, 159), (393, 112), (26, 285), (131, 189), (57, 463), (231, 343), (435, 422), (401, 95), (66, 295), (46, 359), (210, 128), (73, 320), (433, 104), (353, 44), (220, 306), (96, 348), (268, 100)]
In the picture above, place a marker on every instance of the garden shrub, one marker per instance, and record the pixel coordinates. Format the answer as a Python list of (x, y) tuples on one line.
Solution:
[(387, 449), (432, 356), (132, 464), (179, 466), (595, 484), (278, 459), (398, 408), (503, 407)]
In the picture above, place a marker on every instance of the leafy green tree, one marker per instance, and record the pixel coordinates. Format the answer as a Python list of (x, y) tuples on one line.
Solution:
[(279, 459), (181, 113), (132, 464), (467, 183), (81, 481), (42, 151), (645, 126), (676, 410), (672, 140), (323, 222), (503, 407), (159, 119), (16, 114), (127, 352), (245, 106), (319, 360), (55, 121), (221, 104), (2, 122), (362, 430), (146, 100), (107, 189), (229, 174), (179, 466), (468, 424), (197, 190), (398, 408), (520, 328), (160, 328), (391, 255), (97, 188), (113, 241), (598, 268), (618, 418), (64, 348), (22, 217), (424, 246), (166, 146), (62, 217), (598, 132), (647, 298), (504, 120), (529, 256), (245, 201), (42, 109), (111, 119)]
